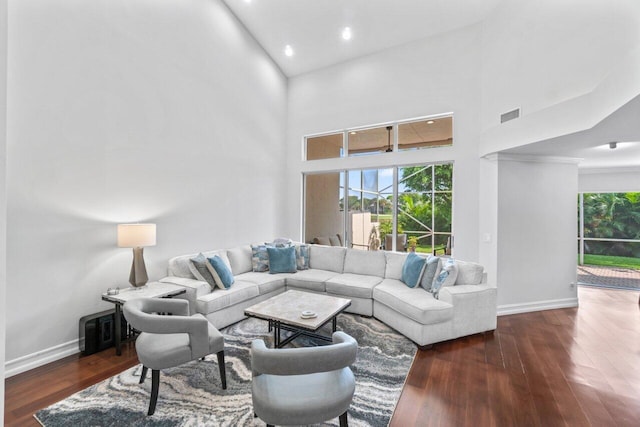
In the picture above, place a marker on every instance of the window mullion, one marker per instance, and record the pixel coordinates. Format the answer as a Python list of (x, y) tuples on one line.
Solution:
[(394, 217)]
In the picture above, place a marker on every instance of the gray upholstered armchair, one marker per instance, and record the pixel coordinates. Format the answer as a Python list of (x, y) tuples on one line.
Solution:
[(167, 341), (303, 385)]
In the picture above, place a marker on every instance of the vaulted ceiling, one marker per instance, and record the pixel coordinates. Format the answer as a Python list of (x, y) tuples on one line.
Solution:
[(313, 28)]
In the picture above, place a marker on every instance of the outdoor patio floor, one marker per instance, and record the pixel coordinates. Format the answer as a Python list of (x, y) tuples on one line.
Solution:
[(609, 277)]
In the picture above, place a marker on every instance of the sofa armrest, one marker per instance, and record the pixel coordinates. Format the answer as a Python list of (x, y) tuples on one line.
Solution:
[(194, 288), (474, 307)]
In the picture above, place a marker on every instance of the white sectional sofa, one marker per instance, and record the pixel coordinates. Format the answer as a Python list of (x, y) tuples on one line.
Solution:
[(371, 279)]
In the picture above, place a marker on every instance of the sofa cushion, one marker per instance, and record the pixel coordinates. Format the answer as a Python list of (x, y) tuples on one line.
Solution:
[(352, 285), (412, 269), (330, 258), (259, 258), (220, 299), (393, 268), (220, 271), (282, 260), (240, 259), (266, 282), (414, 303), (313, 280), (334, 241), (371, 263), (180, 266), (469, 273)]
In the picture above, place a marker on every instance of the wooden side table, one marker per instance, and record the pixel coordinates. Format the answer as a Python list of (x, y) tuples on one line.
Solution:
[(150, 290)]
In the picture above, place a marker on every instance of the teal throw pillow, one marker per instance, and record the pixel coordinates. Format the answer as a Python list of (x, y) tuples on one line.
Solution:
[(259, 258), (282, 260), (412, 269), (200, 263), (431, 271), (220, 271)]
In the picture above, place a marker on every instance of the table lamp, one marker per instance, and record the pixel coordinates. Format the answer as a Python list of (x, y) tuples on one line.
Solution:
[(137, 236)]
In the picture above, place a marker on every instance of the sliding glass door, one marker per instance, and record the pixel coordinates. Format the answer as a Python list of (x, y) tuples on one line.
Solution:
[(393, 208)]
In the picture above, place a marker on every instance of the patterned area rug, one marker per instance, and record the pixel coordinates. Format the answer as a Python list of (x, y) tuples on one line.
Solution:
[(191, 394)]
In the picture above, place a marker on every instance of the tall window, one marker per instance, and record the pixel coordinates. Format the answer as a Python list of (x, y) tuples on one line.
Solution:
[(395, 208), (609, 228), (424, 205)]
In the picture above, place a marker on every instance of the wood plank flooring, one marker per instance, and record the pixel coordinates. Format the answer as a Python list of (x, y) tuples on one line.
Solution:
[(567, 367), (38, 388)]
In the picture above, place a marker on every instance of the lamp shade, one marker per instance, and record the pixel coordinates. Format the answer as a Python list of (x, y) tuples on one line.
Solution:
[(136, 235)]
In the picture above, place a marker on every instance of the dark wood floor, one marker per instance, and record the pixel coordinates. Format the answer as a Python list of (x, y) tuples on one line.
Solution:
[(568, 367)]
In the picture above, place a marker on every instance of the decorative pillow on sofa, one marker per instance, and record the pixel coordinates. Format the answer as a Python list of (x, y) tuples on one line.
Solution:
[(412, 269), (447, 276), (431, 271), (259, 258), (200, 263), (282, 260), (220, 272), (302, 257)]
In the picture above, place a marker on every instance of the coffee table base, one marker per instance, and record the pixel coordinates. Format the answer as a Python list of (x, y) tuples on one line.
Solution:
[(278, 326)]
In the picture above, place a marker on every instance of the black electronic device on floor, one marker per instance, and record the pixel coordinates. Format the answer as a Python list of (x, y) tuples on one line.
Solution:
[(97, 331)]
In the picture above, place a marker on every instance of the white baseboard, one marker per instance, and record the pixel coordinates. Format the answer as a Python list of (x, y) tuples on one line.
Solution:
[(537, 306), (39, 358)]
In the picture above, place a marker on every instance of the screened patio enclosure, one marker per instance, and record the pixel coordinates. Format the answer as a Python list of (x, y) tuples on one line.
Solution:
[(392, 208)]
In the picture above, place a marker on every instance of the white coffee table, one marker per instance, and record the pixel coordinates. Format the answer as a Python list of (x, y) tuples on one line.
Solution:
[(284, 311), (150, 290)]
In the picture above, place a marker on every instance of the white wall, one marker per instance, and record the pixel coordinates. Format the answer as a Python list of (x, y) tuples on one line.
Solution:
[(537, 226), (431, 76), (129, 110), (517, 218), (610, 180), (3, 198)]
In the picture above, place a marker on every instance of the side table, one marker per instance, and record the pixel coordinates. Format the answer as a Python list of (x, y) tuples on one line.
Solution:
[(151, 290)]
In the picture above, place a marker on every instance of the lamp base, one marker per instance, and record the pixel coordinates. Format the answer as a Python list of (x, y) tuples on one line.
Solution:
[(138, 277)]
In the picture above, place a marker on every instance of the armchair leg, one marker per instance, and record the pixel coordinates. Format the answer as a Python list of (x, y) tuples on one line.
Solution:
[(143, 375), (223, 373), (343, 420), (155, 383)]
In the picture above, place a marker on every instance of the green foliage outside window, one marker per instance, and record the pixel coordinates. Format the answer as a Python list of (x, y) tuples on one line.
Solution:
[(425, 204), (612, 216)]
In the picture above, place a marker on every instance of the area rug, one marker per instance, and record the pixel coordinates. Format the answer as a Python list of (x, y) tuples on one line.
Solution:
[(191, 394)]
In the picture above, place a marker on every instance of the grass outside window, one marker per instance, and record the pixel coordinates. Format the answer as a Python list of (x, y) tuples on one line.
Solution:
[(612, 261)]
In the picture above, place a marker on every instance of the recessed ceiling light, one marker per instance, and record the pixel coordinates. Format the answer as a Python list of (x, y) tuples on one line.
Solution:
[(353, 132), (346, 33), (288, 50), (430, 122)]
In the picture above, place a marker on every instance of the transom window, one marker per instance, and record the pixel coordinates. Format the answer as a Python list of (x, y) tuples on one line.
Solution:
[(426, 132)]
